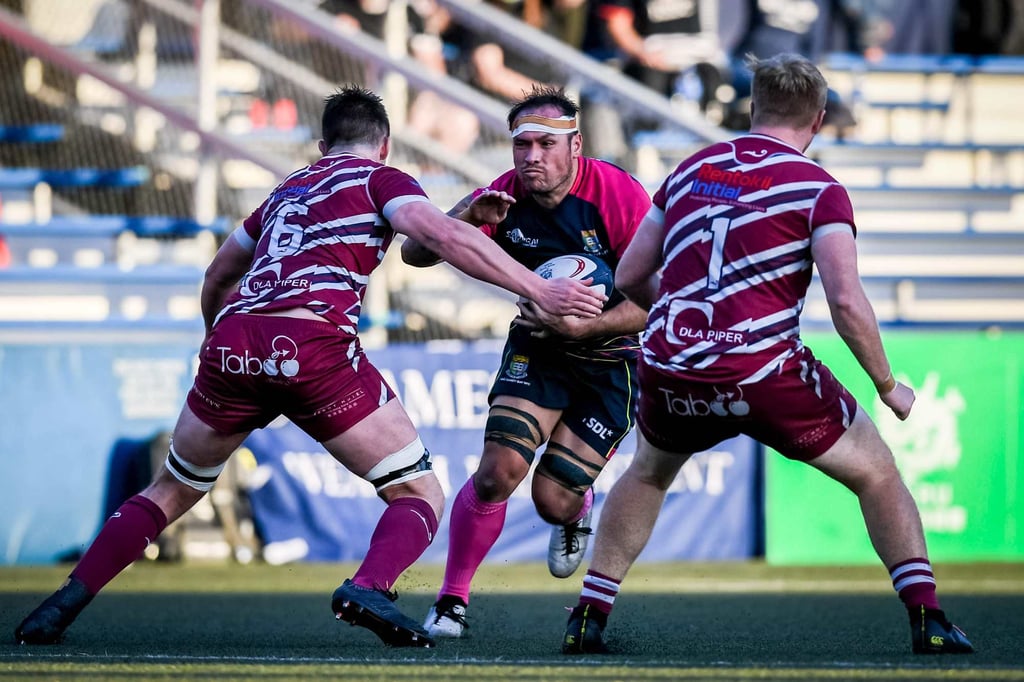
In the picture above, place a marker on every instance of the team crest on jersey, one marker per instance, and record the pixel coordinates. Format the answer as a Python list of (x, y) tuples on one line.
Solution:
[(591, 244), (518, 367)]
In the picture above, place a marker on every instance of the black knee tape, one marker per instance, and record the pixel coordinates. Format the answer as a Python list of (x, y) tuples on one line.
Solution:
[(515, 429), (562, 466)]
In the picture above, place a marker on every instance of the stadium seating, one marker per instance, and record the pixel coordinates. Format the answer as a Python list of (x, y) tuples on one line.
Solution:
[(956, 276), (105, 292), (967, 163), (943, 97), (934, 173), (923, 85), (934, 301), (934, 197), (81, 264), (93, 239), (27, 178), (32, 133)]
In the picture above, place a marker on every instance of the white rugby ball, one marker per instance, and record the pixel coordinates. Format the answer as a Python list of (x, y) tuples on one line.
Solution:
[(579, 266)]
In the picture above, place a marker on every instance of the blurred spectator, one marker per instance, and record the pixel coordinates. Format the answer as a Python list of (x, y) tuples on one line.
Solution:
[(655, 41), (917, 26), (359, 15), (1013, 41), (811, 28), (453, 126), (562, 19), (425, 22), (671, 46), (274, 102), (114, 33), (981, 27), (353, 16), (487, 65), (565, 20)]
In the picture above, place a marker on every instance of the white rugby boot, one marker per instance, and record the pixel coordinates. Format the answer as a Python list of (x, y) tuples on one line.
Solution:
[(568, 544), (446, 618)]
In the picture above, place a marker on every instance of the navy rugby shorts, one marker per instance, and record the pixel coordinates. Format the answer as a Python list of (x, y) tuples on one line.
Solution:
[(597, 397)]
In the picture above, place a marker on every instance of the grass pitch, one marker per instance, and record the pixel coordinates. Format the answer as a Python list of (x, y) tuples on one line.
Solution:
[(686, 621)]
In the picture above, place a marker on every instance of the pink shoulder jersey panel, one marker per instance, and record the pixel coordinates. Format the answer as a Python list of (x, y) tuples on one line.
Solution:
[(605, 202)]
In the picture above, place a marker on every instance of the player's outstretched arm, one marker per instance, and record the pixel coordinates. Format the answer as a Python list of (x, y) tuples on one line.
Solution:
[(835, 254), (417, 255), (231, 261), (471, 251), (487, 208)]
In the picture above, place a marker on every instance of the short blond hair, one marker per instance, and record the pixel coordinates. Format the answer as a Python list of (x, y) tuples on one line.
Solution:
[(788, 90)]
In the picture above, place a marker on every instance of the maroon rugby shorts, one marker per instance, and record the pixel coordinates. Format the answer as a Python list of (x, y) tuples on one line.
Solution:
[(800, 411), (254, 368)]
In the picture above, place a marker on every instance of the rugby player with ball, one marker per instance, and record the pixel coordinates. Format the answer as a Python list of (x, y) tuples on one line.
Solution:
[(567, 382)]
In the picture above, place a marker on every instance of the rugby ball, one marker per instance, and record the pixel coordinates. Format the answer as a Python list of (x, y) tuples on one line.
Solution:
[(580, 266)]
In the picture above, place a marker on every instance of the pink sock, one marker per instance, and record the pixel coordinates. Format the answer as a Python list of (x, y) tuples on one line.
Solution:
[(472, 531), (121, 541), (588, 503), (405, 530), (914, 583)]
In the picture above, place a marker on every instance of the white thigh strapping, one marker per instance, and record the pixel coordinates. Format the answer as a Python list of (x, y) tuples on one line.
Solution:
[(405, 459), (199, 478)]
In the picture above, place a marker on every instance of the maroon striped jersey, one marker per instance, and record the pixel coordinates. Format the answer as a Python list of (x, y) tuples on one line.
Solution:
[(738, 218), (319, 235)]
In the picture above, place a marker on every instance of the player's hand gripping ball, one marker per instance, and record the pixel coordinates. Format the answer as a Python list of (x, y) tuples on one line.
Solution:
[(578, 266)]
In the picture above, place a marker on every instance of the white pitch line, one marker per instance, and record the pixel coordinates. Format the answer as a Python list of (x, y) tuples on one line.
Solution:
[(433, 660)]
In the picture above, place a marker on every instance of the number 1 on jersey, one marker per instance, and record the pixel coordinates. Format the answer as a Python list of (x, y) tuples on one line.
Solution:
[(719, 230)]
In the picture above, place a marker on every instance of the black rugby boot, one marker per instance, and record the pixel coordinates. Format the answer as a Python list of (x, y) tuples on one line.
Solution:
[(931, 633), (373, 609), (46, 625), (583, 631)]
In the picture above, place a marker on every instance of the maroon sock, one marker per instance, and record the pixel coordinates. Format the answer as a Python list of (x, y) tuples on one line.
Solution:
[(599, 591), (121, 541), (404, 532), (914, 583)]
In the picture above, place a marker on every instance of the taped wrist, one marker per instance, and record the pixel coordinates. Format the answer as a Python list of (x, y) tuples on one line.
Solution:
[(886, 384)]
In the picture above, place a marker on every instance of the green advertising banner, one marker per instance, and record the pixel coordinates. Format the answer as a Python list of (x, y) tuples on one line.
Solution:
[(960, 454)]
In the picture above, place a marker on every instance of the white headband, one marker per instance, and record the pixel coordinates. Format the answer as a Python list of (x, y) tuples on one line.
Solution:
[(532, 123)]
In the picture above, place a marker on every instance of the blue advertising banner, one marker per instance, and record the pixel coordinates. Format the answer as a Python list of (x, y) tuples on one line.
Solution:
[(68, 404), (307, 507), (64, 405)]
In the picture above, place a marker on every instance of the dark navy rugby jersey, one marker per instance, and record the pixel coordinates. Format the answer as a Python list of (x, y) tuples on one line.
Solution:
[(599, 216)]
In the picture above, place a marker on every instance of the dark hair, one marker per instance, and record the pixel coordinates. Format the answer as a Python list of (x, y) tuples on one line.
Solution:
[(542, 95), (354, 116), (788, 90)]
